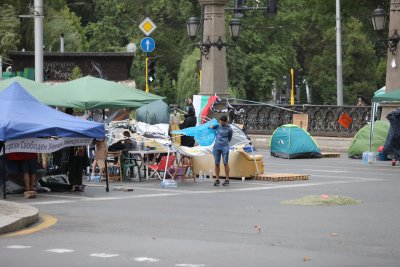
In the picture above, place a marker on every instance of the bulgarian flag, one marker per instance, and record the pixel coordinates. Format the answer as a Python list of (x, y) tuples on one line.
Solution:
[(202, 105)]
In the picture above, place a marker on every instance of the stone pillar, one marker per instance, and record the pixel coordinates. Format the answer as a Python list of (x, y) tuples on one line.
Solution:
[(214, 78), (392, 74)]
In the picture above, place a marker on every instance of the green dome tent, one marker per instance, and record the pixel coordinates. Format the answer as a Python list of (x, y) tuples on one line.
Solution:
[(360, 142), (290, 141), (153, 113)]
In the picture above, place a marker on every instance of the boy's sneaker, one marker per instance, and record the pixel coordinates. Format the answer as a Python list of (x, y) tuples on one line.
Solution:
[(216, 183), (226, 182)]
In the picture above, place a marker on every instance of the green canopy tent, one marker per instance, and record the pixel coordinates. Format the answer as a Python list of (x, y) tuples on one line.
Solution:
[(31, 86), (392, 96), (95, 93)]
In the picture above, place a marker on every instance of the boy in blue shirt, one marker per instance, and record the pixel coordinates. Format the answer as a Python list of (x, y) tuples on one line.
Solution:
[(221, 148)]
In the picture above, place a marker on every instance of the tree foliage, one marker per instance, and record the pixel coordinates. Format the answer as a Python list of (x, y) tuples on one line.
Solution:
[(302, 35), (9, 27)]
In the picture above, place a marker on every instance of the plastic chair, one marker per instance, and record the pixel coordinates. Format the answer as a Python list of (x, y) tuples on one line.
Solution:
[(160, 167), (128, 162)]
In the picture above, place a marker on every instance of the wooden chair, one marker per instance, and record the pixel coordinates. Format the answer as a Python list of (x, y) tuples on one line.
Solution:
[(181, 170), (114, 166)]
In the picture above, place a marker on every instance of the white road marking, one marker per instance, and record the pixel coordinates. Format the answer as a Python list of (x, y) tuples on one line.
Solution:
[(377, 167), (325, 170), (18, 247), (54, 202), (67, 196), (60, 250), (103, 255), (189, 265), (146, 259), (350, 179)]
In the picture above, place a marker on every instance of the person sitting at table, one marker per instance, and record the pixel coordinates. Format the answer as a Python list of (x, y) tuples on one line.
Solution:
[(126, 144), (129, 143)]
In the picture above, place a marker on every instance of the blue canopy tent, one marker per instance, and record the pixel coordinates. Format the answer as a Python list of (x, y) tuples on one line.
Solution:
[(22, 116)]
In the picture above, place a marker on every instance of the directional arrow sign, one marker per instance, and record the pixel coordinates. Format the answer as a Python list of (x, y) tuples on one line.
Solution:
[(147, 44)]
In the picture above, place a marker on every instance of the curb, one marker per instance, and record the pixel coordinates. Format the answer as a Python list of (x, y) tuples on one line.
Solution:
[(16, 216)]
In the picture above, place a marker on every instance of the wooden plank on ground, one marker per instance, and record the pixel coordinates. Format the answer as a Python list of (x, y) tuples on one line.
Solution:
[(122, 188), (278, 177), (330, 155)]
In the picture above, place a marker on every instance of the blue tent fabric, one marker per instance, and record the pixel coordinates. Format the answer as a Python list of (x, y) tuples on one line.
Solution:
[(290, 141), (203, 134), (22, 116)]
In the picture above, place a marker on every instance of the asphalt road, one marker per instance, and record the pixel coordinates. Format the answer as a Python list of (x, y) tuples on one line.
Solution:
[(244, 224)]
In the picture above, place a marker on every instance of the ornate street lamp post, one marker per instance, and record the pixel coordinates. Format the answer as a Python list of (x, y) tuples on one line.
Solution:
[(393, 59)]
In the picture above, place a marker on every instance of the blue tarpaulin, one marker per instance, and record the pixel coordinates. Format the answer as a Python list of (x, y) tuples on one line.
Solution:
[(203, 134), (22, 116)]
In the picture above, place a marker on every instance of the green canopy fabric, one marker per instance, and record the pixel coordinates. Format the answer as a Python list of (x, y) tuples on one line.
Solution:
[(380, 91), (94, 93), (391, 96), (153, 113), (31, 86), (360, 142)]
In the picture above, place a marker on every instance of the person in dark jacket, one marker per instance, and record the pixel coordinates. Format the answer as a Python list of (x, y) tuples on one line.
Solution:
[(77, 163), (190, 121)]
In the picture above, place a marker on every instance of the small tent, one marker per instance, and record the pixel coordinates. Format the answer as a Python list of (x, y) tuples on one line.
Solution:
[(290, 141), (360, 142), (153, 113)]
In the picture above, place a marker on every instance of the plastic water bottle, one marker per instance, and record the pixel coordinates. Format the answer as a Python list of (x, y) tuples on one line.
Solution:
[(168, 183), (368, 158), (365, 157), (211, 174), (189, 172), (371, 158), (201, 176)]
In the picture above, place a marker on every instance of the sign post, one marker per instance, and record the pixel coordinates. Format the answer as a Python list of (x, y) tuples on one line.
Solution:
[(147, 44), (147, 74)]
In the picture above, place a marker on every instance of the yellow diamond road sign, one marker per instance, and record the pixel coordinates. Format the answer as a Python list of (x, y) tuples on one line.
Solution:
[(147, 26)]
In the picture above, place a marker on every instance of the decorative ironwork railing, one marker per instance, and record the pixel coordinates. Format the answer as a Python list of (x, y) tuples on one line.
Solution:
[(322, 120)]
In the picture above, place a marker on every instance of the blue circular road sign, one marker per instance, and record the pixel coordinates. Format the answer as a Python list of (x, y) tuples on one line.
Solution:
[(147, 44)]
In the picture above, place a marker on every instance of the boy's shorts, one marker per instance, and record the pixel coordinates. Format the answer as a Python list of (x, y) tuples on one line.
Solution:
[(218, 151)]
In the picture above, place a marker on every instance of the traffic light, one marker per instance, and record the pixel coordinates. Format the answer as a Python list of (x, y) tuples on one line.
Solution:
[(287, 85), (151, 70), (298, 76), (237, 12), (46, 74), (272, 7)]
